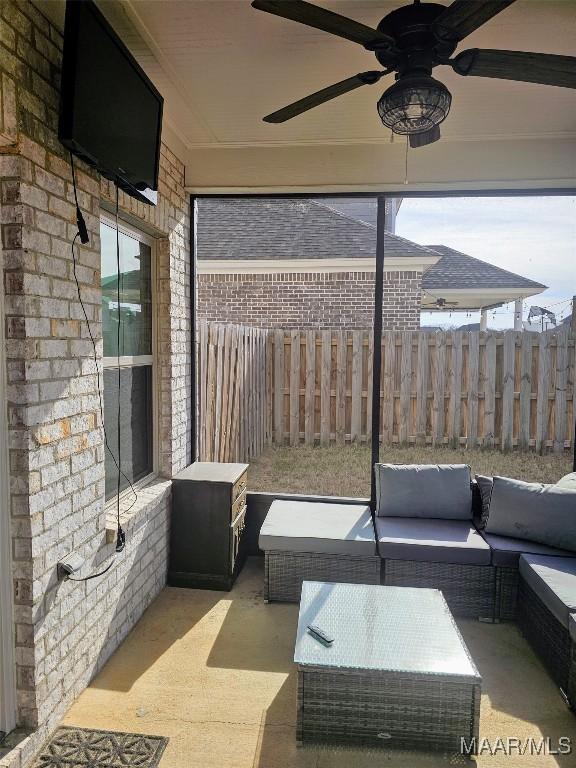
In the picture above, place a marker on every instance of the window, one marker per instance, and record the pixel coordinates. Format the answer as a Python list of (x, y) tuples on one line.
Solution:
[(127, 330)]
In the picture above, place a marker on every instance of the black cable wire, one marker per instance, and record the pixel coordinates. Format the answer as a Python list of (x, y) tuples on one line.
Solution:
[(120, 537), (95, 358), (82, 234), (93, 575)]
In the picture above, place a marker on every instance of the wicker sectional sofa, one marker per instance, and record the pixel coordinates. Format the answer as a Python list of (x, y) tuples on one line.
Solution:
[(482, 574), (316, 541)]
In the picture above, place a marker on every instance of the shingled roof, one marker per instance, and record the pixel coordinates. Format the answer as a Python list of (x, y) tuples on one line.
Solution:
[(287, 228), (458, 270)]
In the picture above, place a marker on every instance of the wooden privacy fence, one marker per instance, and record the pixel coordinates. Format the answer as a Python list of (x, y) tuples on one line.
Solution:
[(491, 389), (233, 393)]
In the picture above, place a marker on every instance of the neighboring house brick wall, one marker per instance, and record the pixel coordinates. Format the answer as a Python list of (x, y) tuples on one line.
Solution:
[(310, 300), (64, 630)]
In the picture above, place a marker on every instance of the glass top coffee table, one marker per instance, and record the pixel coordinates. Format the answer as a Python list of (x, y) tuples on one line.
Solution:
[(398, 673)]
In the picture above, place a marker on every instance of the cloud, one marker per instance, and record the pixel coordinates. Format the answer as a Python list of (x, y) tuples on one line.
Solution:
[(532, 236)]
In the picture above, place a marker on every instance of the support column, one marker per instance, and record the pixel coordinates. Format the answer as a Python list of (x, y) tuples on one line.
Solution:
[(377, 359), (483, 319), (518, 315)]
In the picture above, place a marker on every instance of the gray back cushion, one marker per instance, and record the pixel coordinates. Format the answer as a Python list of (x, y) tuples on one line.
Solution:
[(441, 491), (533, 511), (485, 485)]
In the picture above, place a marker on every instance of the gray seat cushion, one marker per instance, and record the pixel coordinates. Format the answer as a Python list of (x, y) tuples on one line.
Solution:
[(438, 541), (302, 526), (441, 491), (533, 511), (553, 579), (506, 551), (568, 481)]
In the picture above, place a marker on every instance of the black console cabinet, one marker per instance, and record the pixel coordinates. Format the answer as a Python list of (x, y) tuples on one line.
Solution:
[(208, 517)]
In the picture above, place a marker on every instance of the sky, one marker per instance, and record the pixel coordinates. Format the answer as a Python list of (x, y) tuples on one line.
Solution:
[(532, 236)]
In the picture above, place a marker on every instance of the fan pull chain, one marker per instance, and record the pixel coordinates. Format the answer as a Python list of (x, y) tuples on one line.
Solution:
[(406, 162)]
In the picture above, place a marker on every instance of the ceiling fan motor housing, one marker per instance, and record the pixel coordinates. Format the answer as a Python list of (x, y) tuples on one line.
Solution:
[(416, 44)]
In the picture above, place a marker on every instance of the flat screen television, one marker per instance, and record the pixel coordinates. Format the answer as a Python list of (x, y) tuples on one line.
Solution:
[(110, 112)]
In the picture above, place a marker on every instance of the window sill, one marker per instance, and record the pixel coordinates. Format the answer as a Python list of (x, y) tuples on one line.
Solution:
[(131, 511)]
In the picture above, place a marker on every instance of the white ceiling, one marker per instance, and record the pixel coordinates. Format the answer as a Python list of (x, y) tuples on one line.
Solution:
[(222, 65)]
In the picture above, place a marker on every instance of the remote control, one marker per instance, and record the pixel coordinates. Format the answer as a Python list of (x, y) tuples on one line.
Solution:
[(320, 634)]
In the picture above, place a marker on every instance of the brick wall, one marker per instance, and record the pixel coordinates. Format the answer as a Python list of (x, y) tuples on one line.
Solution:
[(310, 300), (64, 631)]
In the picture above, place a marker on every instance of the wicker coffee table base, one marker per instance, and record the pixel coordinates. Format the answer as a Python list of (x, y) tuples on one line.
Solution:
[(387, 709), (284, 572)]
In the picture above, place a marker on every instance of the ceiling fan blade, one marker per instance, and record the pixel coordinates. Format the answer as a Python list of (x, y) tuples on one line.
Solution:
[(462, 17), (326, 94), (544, 68), (423, 139), (327, 21)]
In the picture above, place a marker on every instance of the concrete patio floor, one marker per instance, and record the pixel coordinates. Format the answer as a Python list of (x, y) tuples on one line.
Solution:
[(213, 672)]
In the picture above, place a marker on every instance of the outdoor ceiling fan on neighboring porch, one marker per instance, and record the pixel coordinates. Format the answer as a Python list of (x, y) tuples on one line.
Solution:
[(441, 303), (411, 41)]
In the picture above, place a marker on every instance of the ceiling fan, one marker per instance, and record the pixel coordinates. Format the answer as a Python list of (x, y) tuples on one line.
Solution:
[(441, 303), (411, 41)]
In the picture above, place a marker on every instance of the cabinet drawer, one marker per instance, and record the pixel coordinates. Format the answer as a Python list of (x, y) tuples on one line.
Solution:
[(236, 531), (237, 506), (239, 487)]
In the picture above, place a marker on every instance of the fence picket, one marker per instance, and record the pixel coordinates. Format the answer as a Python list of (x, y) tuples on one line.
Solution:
[(294, 387), (560, 387), (473, 373), (422, 389), (455, 408), (405, 387), (508, 390), (525, 390), (370, 373), (325, 392), (310, 387), (341, 388), (543, 390), (387, 395), (438, 388), (279, 355), (356, 407), (490, 391)]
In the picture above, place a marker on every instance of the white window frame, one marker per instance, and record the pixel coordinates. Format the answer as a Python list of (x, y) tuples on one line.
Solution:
[(133, 361)]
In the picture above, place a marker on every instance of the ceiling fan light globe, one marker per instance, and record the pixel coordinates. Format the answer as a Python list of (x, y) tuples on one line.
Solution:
[(414, 104)]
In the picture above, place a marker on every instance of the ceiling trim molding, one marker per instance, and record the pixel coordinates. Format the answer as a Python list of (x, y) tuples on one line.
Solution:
[(379, 140), (544, 187)]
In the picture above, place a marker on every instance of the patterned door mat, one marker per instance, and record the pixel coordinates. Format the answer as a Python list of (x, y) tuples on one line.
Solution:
[(88, 748)]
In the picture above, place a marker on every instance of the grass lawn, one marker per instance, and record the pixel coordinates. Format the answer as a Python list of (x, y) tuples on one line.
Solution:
[(345, 471)]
